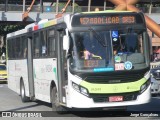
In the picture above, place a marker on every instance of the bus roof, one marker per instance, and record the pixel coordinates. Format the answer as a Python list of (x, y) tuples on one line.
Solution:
[(46, 23), (33, 27), (17, 33)]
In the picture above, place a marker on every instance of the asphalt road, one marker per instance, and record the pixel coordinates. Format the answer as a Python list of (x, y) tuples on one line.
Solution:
[(11, 101)]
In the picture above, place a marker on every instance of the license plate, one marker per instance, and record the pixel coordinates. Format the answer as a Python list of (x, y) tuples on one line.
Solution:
[(115, 98), (119, 66)]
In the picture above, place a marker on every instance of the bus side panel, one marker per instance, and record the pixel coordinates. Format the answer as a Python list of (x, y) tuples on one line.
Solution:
[(44, 73), (17, 70), (21, 72), (11, 75)]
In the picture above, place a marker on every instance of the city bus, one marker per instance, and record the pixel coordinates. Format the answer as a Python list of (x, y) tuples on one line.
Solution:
[(71, 61)]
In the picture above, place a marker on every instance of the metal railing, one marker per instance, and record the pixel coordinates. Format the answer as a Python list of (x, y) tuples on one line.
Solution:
[(154, 64), (147, 10), (38, 8)]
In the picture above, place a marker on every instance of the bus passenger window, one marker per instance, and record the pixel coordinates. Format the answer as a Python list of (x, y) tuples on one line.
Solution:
[(36, 53), (10, 49), (24, 47), (25, 53), (36, 45), (51, 43), (17, 48), (44, 51), (43, 43)]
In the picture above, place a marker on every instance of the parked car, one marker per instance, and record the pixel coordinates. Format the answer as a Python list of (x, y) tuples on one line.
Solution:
[(156, 72), (3, 59), (3, 72), (155, 86)]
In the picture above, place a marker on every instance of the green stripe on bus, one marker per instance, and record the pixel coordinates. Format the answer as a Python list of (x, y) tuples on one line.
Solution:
[(55, 72), (114, 88)]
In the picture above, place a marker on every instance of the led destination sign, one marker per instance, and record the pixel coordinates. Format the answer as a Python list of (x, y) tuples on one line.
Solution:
[(107, 20)]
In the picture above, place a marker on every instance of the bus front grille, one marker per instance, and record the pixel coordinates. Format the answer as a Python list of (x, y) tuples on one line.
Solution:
[(111, 79)]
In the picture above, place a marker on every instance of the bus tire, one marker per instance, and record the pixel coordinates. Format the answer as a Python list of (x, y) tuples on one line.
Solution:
[(55, 102), (24, 98)]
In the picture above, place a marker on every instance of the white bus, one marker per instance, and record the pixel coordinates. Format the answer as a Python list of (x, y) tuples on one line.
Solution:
[(70, 61)]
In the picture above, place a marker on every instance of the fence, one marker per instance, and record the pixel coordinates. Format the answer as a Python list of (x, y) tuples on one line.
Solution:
[(38, 8), (154, 64)]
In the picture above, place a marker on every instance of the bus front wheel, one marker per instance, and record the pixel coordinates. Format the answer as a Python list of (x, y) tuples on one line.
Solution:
[(24, 98), (55, 102)]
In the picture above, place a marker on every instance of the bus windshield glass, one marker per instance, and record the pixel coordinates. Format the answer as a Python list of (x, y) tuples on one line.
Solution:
[(91, 51), (104, 51)]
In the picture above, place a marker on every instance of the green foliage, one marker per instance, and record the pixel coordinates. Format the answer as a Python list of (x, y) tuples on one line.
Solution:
[(8, 28), (61, 5)]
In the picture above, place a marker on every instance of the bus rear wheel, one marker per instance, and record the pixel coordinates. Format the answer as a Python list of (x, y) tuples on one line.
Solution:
[(55, 102), (24, 98)]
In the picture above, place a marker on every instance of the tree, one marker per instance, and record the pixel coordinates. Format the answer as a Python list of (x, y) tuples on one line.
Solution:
[(8, 28), (61, 5)]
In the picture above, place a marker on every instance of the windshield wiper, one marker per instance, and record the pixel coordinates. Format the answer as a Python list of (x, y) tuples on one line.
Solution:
[(98, 37)]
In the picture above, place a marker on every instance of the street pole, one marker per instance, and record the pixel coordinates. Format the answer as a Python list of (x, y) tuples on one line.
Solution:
[(150, 7), (89, 5), (24, 3), (6, 6), (105, 3), (73, 6), (41, 6), (57, 6)]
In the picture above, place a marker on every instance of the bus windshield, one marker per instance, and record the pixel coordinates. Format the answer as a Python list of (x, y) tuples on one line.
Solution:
[(91, 50), (101, 51)]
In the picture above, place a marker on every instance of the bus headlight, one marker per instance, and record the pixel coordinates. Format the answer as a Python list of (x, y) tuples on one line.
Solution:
[(80, 89), (84, 91), (145, 86)]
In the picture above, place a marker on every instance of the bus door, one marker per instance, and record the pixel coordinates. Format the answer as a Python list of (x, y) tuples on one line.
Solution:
[(62, 66)]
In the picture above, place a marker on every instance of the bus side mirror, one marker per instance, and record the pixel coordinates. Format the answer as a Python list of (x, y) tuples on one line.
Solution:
[(65, 42)]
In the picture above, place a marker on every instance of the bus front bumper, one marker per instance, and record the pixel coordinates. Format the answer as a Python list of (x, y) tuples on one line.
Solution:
[(78, 100)]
